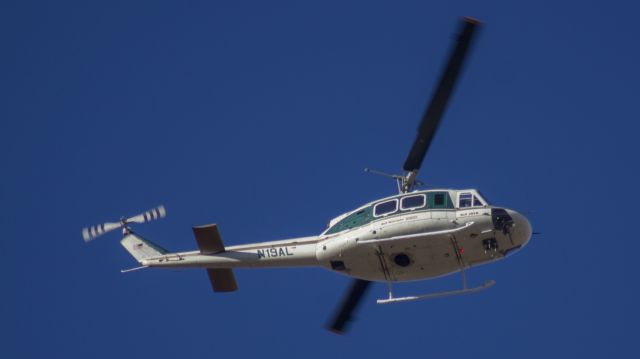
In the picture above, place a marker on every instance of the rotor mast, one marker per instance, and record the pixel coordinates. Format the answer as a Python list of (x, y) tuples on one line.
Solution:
[(407, 182)]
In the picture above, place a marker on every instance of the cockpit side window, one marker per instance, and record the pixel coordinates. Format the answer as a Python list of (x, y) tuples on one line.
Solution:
[(385, 208), (469, 200), (466, 200), (412, 202)]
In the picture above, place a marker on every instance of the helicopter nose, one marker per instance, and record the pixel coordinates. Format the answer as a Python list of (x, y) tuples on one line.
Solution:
[(521, 231)]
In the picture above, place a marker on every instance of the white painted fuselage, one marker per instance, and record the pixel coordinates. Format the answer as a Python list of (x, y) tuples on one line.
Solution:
[(407, 245)]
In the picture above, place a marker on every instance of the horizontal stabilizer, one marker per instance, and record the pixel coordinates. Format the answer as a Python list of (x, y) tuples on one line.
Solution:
[(210, 242), (208, 238), (222, 280)]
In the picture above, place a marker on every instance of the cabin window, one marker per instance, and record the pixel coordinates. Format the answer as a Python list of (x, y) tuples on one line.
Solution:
[(385, 208), (356, 219), (439, 200), (413, 202)]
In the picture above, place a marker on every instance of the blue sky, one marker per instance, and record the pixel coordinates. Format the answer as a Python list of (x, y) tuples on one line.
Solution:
[(260, 116)]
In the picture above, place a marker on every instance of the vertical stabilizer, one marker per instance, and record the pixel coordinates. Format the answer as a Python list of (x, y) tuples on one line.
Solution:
[(140, 248)]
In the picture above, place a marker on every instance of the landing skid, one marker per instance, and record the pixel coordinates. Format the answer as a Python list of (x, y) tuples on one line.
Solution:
[(464, 290), (391, 299)]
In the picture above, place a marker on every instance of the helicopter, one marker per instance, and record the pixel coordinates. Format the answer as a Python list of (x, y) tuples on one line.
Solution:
[(412, 235)]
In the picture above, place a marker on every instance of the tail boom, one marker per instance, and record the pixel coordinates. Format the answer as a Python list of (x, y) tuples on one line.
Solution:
[(218, 260), (289, 253)]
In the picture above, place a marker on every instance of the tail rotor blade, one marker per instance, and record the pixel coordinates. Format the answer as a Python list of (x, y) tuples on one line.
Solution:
[(349, 304), (150, 215), (90, 233)]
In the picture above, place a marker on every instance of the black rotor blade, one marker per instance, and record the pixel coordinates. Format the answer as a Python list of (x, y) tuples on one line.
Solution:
[(438, 104), (349, 304)]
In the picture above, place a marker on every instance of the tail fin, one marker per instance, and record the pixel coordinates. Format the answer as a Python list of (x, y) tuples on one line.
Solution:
[(140, 248)]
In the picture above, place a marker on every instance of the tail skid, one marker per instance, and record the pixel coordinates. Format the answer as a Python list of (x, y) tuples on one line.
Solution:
[(132, 269)]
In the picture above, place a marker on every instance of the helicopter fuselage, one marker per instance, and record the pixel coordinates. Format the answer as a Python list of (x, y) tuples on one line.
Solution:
[(424, 244), (411, 236)]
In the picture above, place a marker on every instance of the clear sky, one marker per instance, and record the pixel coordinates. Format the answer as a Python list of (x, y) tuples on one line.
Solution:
[(260, 116)]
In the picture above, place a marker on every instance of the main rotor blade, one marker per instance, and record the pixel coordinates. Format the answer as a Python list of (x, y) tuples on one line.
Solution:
[(438, 104), (348, 306)]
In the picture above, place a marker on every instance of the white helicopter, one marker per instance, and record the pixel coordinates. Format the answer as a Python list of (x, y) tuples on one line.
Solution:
[(413, 235)]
